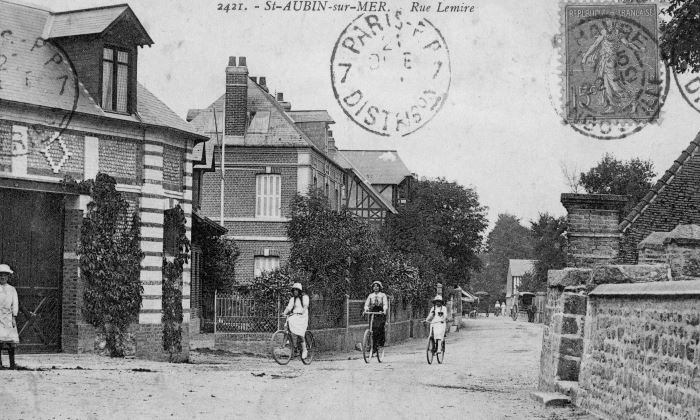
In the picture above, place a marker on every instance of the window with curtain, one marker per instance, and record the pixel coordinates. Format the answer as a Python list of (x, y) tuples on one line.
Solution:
[(115, 80), (265, 264), (268, 195)]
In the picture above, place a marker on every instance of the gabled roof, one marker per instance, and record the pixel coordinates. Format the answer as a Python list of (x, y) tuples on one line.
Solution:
[(665, 180), (270, 124), (321, 115), (518, 268), (95, 20), (54, 86), (341, 160), (380, 166)]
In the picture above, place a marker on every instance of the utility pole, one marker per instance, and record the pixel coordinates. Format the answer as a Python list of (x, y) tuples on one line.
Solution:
[(223, 167)]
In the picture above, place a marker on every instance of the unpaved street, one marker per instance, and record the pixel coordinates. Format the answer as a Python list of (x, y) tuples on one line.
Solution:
[(489, 370)]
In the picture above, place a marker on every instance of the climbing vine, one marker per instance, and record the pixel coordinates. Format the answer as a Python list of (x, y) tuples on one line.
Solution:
[(110, 259), (175, 223)]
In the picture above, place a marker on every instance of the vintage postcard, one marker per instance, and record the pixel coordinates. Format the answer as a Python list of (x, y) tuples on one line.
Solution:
[(349, 209)]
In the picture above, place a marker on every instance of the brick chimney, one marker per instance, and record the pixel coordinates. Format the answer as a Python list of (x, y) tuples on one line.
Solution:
[(236, 101), (285, 105), (262, 81), (592, 233), (332, 149)]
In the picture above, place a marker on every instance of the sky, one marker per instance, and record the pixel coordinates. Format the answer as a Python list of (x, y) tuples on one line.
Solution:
[(498, 132)]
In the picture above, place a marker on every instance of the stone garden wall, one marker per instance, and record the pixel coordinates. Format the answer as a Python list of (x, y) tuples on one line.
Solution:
[(641, 355)]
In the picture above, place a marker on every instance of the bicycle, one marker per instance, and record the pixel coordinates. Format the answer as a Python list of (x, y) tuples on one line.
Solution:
[(281, 345), (431, 351), (368, 341)]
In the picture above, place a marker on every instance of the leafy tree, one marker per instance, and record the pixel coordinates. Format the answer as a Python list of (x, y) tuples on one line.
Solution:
[(530, 283), (507, 240), (445, 217), (338, 251), (110, 259), (632, 178), (680, 35), (550, 249), (219, 255)]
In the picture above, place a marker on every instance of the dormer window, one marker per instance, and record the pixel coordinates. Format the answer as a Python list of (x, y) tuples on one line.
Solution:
[(115, 80)]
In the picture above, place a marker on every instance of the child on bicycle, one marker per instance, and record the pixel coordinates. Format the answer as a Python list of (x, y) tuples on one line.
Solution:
[(438, 318), (298, 307), (377, 302)]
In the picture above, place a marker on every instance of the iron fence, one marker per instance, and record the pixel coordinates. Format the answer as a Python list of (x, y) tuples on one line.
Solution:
[(237, 313)]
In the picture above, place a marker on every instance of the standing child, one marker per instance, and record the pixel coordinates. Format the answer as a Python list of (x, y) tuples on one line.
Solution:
[(9, 307)]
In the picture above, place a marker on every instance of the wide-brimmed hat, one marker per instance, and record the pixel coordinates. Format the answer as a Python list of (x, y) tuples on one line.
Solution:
[(4, 268), (437, 298), (379, 283), (297, 286)]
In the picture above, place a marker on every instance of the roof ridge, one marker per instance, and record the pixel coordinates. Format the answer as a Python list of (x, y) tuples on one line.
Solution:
[(111, 6), (665, 179), (26, 4), (369, 150)]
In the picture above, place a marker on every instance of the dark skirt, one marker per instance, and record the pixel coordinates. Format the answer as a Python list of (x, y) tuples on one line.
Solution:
[(378, 333)]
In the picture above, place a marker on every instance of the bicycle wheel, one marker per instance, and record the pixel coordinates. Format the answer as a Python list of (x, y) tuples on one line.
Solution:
[(310, 344), (281, 347), (380, 354), (429, 352), (367, 346), (441, 356)]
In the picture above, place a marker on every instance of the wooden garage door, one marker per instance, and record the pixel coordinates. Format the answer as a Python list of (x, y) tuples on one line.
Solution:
[(31, 242)]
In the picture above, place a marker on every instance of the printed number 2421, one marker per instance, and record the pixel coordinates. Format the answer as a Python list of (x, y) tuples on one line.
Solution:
[(229, 7)]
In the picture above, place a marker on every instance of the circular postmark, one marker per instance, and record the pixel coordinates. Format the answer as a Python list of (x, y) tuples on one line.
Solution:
[(390, 74), (614, 83), (38, 72), (689, 85)]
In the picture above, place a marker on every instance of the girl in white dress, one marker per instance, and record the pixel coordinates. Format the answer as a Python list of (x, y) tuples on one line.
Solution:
[(438, 318), (9, 307), (298, 307)]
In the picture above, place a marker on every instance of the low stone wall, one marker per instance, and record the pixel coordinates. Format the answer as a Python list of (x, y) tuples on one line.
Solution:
[(642, 351)]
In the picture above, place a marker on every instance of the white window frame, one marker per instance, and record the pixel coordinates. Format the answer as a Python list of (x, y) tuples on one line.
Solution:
[(263, 264), (268, 196)]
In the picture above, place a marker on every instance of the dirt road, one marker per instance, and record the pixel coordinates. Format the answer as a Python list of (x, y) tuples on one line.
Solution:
[(489, 370)]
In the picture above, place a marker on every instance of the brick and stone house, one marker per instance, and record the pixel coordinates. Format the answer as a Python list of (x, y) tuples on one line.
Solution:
[(271, 153), (71, 105)]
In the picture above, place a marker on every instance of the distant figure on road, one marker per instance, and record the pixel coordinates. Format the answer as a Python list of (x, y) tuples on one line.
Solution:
[(438, 316), (377, 302), (9, 307), (497, 309), (298, 306)]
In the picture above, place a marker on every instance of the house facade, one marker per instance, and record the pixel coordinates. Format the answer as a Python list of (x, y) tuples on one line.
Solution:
[(516, 270), (270, 154), (385, 170), (71, 105)]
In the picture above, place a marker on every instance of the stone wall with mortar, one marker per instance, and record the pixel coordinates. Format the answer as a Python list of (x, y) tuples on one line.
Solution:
[(563, 321), (642, 351)]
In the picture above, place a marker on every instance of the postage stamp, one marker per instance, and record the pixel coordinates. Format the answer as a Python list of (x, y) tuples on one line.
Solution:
[(612, 74), (390, 72)]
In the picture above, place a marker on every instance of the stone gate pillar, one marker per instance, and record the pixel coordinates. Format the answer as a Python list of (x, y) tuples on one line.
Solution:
[(592, 233)]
